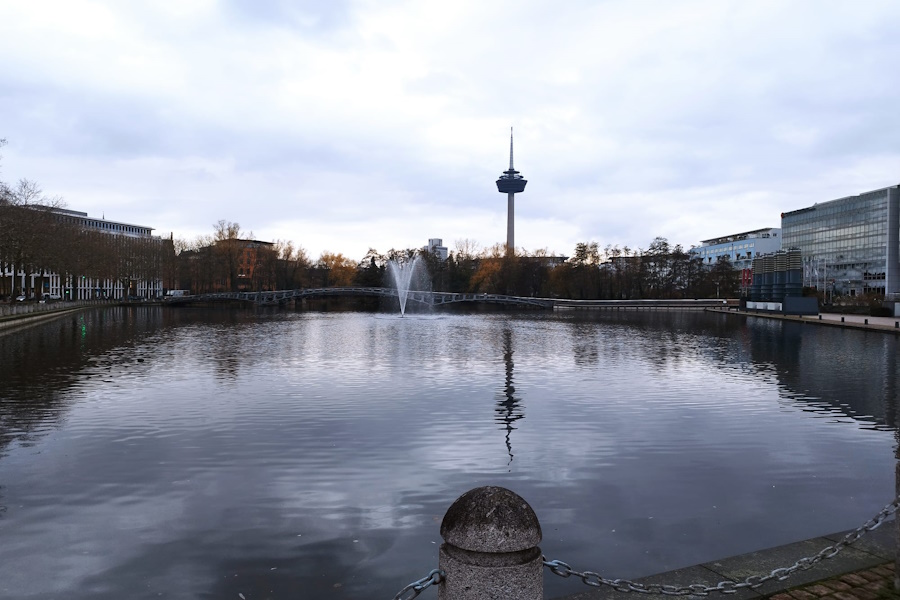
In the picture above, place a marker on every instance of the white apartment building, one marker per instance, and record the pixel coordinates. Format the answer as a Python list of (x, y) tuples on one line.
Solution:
[(739, 247), (436, 246)]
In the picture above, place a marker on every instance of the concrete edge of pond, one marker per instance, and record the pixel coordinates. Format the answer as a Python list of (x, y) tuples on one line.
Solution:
[(874, 554), (17, 322), (862, 322)]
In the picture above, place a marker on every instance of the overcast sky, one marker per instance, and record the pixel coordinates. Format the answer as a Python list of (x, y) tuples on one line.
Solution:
[(345, 125)]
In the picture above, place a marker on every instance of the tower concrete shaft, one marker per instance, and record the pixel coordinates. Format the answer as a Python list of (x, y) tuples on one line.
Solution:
[(510, 222), (511, 183)]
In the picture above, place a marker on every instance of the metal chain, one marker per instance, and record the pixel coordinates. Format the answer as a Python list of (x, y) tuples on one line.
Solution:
[(725, 587), (416, 587)]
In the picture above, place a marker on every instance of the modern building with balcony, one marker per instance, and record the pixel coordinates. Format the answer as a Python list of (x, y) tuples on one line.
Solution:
[(740, 248)]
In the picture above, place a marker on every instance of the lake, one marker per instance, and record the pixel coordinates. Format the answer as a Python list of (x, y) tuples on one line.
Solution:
[(187, 453)]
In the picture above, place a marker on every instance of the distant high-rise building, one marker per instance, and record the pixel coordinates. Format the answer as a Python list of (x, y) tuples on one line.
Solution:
[(511, 183), (436, 246)]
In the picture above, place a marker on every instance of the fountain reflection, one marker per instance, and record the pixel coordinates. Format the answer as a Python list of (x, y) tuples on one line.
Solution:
[(508, 409)]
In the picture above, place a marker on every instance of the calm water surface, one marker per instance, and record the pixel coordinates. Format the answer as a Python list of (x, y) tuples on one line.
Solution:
[(153, 453)]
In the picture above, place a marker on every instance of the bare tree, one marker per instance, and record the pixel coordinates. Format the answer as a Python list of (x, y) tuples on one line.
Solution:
[(27, 228), (228, 251)]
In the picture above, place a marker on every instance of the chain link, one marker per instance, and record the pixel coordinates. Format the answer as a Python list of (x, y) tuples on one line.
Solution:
[(590, 578), (415, 588)]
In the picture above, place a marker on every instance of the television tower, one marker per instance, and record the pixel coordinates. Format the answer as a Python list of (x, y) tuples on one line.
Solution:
[(511, 183)]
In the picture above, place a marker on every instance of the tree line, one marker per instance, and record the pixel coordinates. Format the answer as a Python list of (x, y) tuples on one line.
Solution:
[(214, 263), (37, 239)]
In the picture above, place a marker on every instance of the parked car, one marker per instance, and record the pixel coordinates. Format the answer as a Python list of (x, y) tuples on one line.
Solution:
[(51, 297), (21, 298)]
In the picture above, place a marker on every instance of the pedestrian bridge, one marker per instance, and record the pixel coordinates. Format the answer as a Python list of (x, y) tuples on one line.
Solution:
[(442, 298), (423, 298)]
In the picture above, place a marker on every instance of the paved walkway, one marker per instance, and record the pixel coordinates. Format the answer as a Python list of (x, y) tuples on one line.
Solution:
[(862, 571), (886, 324), (868, 584)]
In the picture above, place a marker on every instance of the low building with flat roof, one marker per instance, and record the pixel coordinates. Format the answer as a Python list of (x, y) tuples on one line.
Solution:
[(125, 261), (740, 248)]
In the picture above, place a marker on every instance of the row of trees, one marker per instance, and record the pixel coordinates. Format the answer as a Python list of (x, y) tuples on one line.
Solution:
[(230, 259), (660, 271), (37, 239), (34, 239), (221, 261)]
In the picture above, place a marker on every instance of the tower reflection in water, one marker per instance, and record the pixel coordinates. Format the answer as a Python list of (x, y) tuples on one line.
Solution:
[(508, 409)]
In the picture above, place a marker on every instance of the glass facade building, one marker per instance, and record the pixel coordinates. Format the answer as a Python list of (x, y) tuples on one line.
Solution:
[(849, 245)]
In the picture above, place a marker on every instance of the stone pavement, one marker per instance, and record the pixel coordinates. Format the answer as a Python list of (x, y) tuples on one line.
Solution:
[(868, 584), (857, 572)]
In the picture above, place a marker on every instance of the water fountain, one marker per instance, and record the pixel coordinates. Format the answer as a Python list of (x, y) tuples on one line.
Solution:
[(406, 275)]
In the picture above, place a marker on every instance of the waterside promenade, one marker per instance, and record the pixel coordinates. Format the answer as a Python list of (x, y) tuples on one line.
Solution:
[(883, 324), (491, 550), (15, 316), (863, 571)]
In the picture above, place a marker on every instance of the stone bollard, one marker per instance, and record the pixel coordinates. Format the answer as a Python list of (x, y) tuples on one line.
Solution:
[(490, 549)]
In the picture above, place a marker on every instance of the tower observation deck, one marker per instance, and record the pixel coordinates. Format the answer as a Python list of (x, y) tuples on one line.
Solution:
[(511, 183)]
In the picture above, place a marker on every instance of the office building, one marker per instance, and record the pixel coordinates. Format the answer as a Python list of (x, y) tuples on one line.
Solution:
[(850, 245), (77, 264)]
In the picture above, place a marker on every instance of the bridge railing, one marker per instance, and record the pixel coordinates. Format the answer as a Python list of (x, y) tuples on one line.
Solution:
[(674, 303), (422, 297), (28, 308), (441, 298)]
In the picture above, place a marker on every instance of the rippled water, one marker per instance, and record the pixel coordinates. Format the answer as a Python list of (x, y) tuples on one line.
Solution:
[(150, 453)]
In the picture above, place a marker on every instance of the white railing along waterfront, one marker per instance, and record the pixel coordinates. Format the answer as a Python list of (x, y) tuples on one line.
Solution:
[(30, 308)]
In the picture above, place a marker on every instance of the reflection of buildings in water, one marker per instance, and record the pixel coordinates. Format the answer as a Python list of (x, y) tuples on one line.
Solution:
[(664, 338), (233, 349), (36, 363), (228, 353), (508, 409), (819, 369), (39, 365), (585, 348), (825, 369)]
